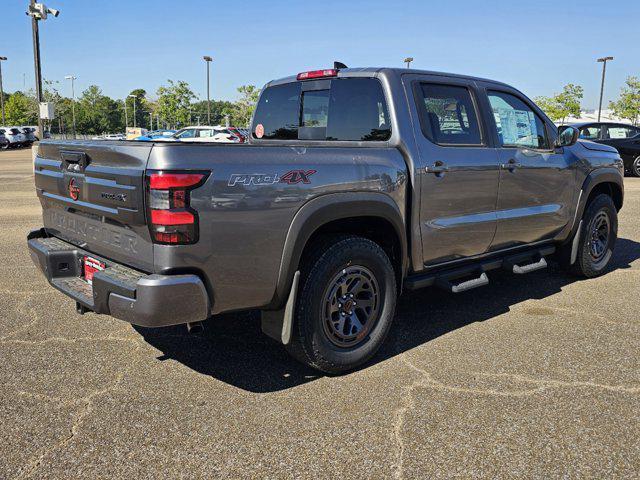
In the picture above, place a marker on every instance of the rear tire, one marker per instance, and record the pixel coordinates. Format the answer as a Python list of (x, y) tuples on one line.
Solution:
[(598, 236), (635, 167), (345, 304)]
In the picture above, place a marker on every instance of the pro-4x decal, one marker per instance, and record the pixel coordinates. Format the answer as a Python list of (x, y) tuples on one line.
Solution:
[(291, 177)]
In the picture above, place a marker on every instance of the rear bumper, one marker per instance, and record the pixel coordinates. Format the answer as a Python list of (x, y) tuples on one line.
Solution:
[(122, 292)]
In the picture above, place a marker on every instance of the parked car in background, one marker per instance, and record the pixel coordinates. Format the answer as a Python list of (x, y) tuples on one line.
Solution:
[(623, 137), (15, 136), (4, 143), (204, 133), (155, 134), (30, 135), (241, 133)]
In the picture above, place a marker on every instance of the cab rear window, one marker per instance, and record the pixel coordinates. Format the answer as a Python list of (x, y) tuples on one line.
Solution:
[(349, 109)]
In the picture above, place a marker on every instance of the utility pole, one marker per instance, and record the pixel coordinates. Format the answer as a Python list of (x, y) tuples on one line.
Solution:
[(604, 61), (37, 12), (73, 102), (126, 118), (134, 109), (208, 60), (36, 63), (2, 91), (150, 121), (408, 61)]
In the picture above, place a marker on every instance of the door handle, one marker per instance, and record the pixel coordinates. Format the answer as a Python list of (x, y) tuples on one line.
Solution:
[(511, 165), (438, 168)]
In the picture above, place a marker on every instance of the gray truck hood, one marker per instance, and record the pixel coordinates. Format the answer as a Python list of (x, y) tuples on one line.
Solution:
[(600, 147)]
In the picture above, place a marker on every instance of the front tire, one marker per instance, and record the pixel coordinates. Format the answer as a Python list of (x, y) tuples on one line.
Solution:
[(345, 304), (635, 167), (598, 236)]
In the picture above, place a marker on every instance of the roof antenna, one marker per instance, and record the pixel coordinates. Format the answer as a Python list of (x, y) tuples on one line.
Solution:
[(339, 65)]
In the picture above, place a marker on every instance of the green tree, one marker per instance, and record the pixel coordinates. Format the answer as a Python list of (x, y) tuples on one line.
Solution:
[(243, 109), (564, 104), (628, 104), (174, 103), (142, 108), (96, 113), (19, 110), (219, 108)]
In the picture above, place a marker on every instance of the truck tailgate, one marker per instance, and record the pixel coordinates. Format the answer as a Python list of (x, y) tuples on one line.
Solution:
[(93, 196)]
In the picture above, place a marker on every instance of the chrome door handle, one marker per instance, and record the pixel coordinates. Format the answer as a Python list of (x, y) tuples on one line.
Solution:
[(438, 168)]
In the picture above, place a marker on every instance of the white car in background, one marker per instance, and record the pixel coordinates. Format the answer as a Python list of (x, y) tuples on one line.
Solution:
[(203, 133), (14, 135)]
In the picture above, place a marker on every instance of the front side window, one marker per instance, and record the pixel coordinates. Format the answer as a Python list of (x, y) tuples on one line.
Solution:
[(517, 124), (590, 132), (449, 114)]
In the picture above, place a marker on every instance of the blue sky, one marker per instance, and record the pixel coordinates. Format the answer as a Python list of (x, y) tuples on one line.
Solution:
[(537, 46)]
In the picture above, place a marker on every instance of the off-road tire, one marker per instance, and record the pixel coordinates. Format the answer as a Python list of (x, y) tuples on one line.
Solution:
[(333, 256), (600, 209)]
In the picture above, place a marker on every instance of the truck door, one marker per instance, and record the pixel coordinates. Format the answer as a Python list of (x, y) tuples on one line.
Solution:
[(458, 169), (537, 181)]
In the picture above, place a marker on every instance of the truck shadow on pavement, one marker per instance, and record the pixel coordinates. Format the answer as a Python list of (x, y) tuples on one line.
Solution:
[(233, 349)]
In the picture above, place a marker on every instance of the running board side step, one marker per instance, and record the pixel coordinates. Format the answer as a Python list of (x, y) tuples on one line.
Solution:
[(524, 261), (463, 286), (531, 267)]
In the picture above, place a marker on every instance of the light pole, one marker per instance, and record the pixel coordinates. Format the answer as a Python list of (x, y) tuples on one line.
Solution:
[(208, 60), (2, 91), (408, 61), (134, 109), (604, 61), (126, 118), (37, 12), (73, 102)]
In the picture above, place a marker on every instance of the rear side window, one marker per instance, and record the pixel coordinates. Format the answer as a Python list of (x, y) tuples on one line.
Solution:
[(518, 125), (449, 115), (350, 109), (621, 132), (358, 111)]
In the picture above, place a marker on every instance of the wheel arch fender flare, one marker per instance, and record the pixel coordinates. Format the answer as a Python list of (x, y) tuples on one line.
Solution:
[(597, 177), (328, 208)]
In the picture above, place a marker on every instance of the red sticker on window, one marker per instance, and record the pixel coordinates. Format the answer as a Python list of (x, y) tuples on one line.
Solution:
[(259, 130)]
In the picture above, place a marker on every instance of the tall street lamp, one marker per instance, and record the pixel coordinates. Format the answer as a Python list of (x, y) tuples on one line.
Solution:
[(73, 102), (2, 91), (134, 109), (408, 61), (37, 12), (208, 60), (604, 61)]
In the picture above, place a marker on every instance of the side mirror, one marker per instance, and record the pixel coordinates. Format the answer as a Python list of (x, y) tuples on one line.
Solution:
[(568, 136)]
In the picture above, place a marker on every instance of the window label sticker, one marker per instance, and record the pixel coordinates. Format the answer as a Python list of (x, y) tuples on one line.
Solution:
[(517, 127), (259, 130)]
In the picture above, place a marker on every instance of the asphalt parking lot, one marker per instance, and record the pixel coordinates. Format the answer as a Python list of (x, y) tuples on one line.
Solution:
[(534, 376)]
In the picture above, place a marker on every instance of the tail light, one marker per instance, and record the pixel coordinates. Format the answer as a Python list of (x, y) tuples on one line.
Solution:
[(172, 221)]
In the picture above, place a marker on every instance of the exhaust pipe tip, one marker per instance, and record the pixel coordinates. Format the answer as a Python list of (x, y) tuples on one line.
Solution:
[(195, 327)]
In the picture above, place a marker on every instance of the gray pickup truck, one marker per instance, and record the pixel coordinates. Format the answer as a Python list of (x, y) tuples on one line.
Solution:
[(355, 185)]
